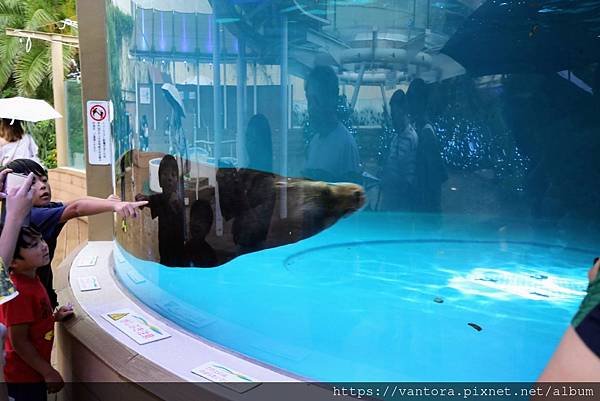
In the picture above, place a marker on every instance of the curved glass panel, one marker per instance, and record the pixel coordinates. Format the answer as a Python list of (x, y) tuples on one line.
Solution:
[(363, 189)]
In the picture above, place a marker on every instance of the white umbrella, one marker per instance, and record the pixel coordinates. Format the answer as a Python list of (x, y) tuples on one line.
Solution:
[(25, 109)]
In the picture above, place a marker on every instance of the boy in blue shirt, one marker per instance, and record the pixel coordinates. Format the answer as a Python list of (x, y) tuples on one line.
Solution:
[(50, 217)]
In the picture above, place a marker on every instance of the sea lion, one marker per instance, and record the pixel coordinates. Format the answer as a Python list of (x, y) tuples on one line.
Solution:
[(249, 198), (313, 206), (250, 215)]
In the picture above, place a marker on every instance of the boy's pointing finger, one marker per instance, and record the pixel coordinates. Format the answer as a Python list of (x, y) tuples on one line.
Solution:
[(139, 204)]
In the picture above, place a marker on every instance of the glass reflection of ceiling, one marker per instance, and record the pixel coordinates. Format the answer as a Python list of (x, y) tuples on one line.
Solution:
[(343, 19), (187, 6), (325, 29)]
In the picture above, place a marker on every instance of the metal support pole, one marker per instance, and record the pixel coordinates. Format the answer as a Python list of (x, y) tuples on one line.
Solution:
[(217, 113), (225, 110), (154, 95), (385, 103), (284, 113), (198, 118), (357, 85), (290, 104), (136, 123), (254, 92), (241, 104), (428, 14)]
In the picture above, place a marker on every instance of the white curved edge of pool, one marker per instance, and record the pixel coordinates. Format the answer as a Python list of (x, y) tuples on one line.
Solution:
[(178, 354)]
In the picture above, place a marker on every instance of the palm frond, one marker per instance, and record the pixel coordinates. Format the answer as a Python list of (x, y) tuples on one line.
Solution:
[(40, 19), (15, 4), (5, 73), (9, 48), (30, 72), (31, 69), (11, 16), (16, 7), (68, 54)]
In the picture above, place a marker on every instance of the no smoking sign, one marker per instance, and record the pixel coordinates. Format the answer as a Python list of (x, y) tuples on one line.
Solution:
[(99, 133)]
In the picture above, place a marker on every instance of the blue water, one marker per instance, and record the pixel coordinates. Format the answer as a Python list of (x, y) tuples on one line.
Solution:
[(358, 301)]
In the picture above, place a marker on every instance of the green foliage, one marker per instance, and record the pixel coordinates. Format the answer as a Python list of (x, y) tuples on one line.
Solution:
[(44, 135), (29, 73), (75, 120)]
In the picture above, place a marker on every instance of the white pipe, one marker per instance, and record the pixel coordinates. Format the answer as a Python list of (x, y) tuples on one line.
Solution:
[(225, 109), (370, 78), (217, 115), (387, 55), (384, 98), (283, 212), (241, 104), (357, 85), (153, 97), (136, 124), (198, 119), (254, 93)]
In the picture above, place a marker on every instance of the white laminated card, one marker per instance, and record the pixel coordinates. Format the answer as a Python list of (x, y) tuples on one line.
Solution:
[(225, 376), (87, 261), (137, 326), (88, 283)]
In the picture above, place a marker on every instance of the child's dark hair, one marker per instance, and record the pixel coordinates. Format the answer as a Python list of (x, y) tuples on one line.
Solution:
[(26, 166), (168, 162), (28, 237)]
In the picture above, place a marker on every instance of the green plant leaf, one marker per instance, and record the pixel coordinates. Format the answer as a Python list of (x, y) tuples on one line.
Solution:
[(41, 20), (9, 48), (31, 69)]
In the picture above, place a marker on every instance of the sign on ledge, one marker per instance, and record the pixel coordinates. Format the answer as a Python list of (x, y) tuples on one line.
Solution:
[(99, 133), (225, 376), (137, 326)]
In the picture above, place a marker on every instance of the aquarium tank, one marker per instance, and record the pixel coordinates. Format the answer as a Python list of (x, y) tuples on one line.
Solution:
[(368, 190)]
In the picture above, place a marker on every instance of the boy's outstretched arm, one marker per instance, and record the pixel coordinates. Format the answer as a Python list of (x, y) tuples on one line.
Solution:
[(18, 204), (92, 206), (19, 338), (111, 197)]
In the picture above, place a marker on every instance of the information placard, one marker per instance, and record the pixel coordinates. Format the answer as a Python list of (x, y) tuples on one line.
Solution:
[(98, 133), (88, 283), (137, 326), (225, 376)]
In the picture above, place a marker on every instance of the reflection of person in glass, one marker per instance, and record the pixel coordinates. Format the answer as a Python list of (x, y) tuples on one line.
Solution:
[(258, 144), (168, 207), (398, 176), (198, 252), (430, 171), (250, 199), (144, 134), (332, 151)]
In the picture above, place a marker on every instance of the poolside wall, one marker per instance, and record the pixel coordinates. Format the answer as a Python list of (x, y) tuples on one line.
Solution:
[(69, 184)]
